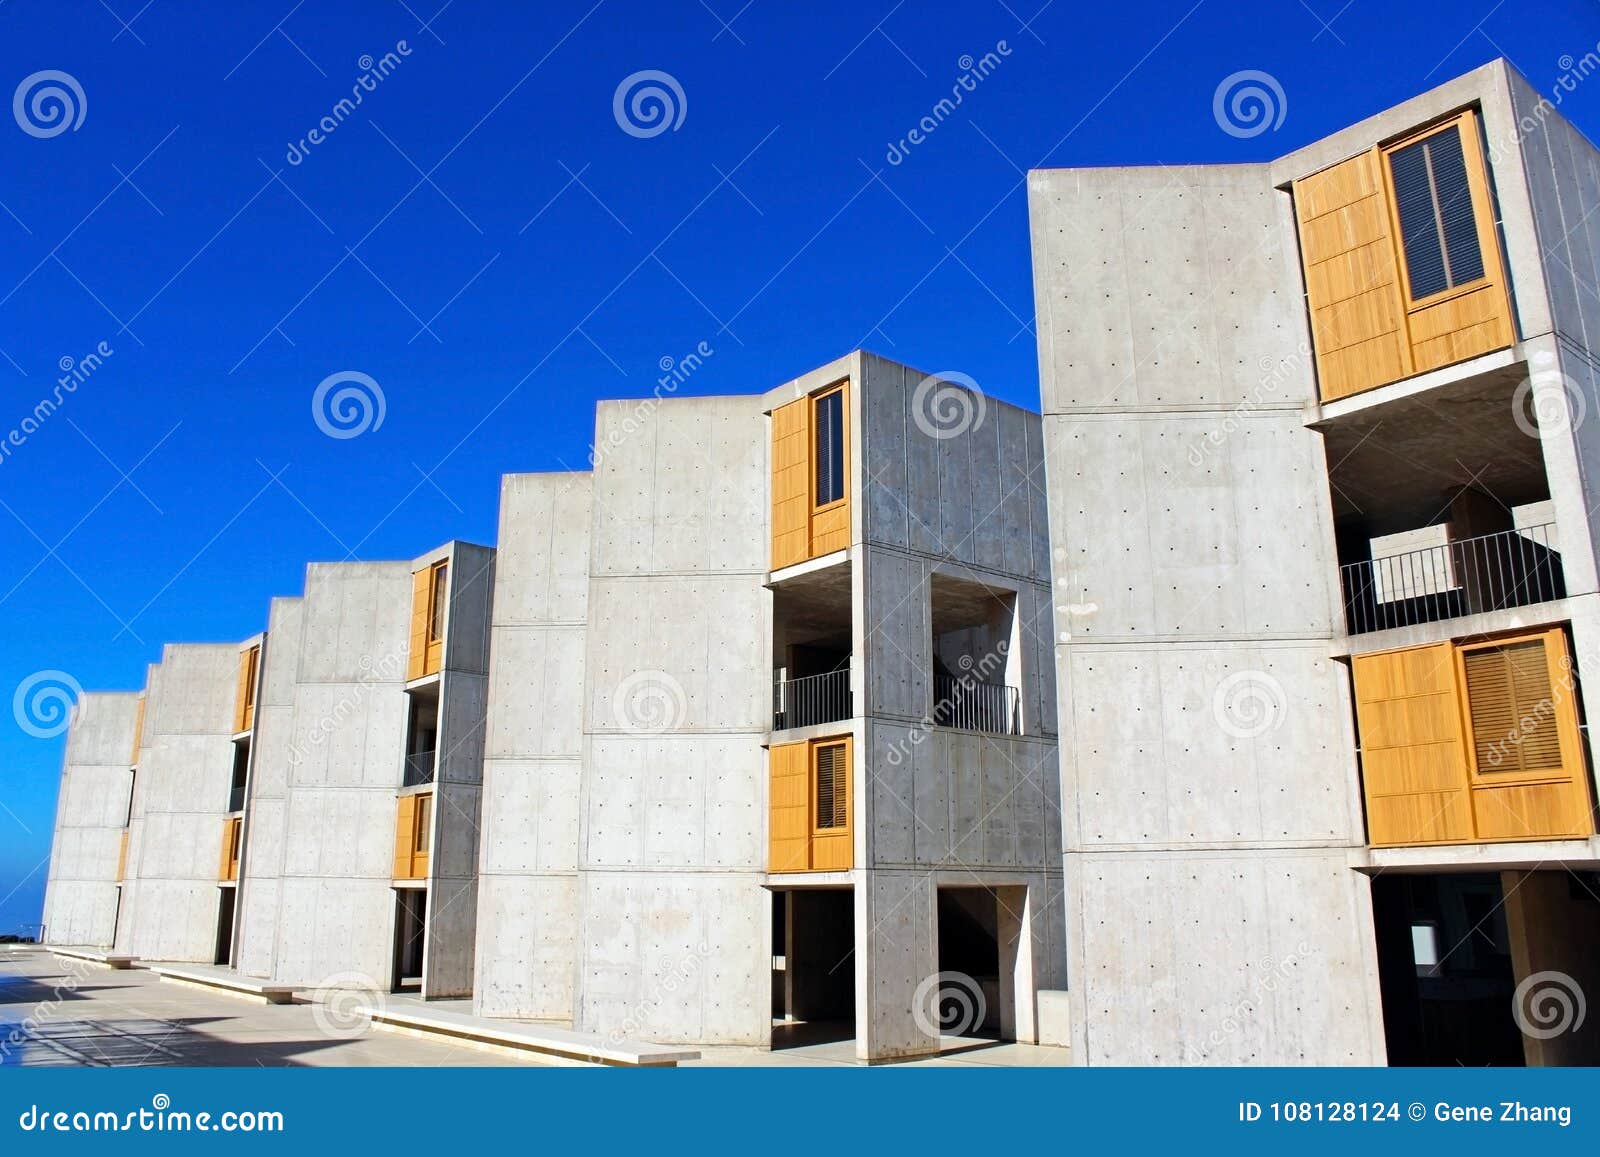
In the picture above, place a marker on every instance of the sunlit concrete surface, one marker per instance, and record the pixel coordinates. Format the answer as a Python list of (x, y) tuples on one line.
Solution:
[(836, 1048), (59, 1012)]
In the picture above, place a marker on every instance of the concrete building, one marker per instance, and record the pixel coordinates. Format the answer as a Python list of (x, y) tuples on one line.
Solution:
[(361, 829), (92, 818), (1321, 500), (771, 727)]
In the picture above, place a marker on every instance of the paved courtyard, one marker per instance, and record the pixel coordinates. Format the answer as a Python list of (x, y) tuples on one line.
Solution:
[(64, 1012)]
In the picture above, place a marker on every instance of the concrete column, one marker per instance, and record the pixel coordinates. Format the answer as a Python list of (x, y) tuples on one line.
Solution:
[(1554, 926)]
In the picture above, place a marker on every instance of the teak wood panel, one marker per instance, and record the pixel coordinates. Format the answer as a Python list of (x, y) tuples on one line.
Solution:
[(411, 844), (794, 842), (1424, 778), (122, 856), (1367, 329), (802, 529), (138, 732), (244, 702), (424, 654), (228, 862)]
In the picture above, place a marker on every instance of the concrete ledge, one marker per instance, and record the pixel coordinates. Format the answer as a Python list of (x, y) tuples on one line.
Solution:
[(559, 1043), (198, 976), (96, 956)]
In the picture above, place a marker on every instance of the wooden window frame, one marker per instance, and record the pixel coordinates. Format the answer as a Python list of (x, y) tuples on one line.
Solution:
[(813, 401), (438, 600), (1483, 216), (422, 825)]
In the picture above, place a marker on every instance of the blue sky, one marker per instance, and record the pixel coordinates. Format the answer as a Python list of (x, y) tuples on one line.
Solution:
[(484, 241)]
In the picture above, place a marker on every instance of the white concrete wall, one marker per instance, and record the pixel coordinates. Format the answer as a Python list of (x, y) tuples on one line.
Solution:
[(952, 485), (344, 756), (170, 900), (675, 923), (80, 899), (527, 935), (261, 865), (1209, 785)]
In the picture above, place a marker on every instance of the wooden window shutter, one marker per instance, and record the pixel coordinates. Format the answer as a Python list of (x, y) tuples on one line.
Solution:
[(405, 829), (1413, 752), (832, 785), (138, 731), (228, 863), (417, 655), (244, 704), (122, 856), (1530, 778), (791, 483), (788, 809), (1352, 278)]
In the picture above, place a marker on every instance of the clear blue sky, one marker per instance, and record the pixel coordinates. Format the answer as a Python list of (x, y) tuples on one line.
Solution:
[(549, 258)]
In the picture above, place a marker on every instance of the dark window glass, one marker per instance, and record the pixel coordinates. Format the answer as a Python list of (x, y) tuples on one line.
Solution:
[(831, 787), (1438, 228), (829, 420)]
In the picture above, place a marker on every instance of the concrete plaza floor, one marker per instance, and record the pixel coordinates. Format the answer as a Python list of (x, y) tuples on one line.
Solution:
[(64, 1012)]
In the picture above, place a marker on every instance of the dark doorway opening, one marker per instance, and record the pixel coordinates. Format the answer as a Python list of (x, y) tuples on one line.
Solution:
[(410, 934), (1445, 970), (814, 974), (969, 999), (225, 906)]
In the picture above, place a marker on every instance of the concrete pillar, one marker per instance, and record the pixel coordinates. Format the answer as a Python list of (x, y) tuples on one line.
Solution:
[(897, 965), (1554, 925)]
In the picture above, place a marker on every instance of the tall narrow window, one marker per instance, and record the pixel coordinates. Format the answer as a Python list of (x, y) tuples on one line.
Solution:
[(1438, 228), (833, 773), (252, 659), (828, 429), (436, 602)]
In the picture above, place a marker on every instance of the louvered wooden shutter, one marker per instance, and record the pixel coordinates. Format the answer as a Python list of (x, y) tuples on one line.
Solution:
[(417, 655), (831, 783), (1513, 714)]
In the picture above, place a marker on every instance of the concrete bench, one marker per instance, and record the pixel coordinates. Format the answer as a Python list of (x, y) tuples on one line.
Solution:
[(96, 956), (559, 1044), (199, 976)]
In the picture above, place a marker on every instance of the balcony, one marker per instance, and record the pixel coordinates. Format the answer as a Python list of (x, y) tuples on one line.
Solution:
[(419, 768), (963, 703), (811, 700), (1491, 572)]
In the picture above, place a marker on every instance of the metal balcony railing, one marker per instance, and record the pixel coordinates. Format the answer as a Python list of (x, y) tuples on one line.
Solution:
[(419, 768), (968, 705), (810, 700), (1467, 577)]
